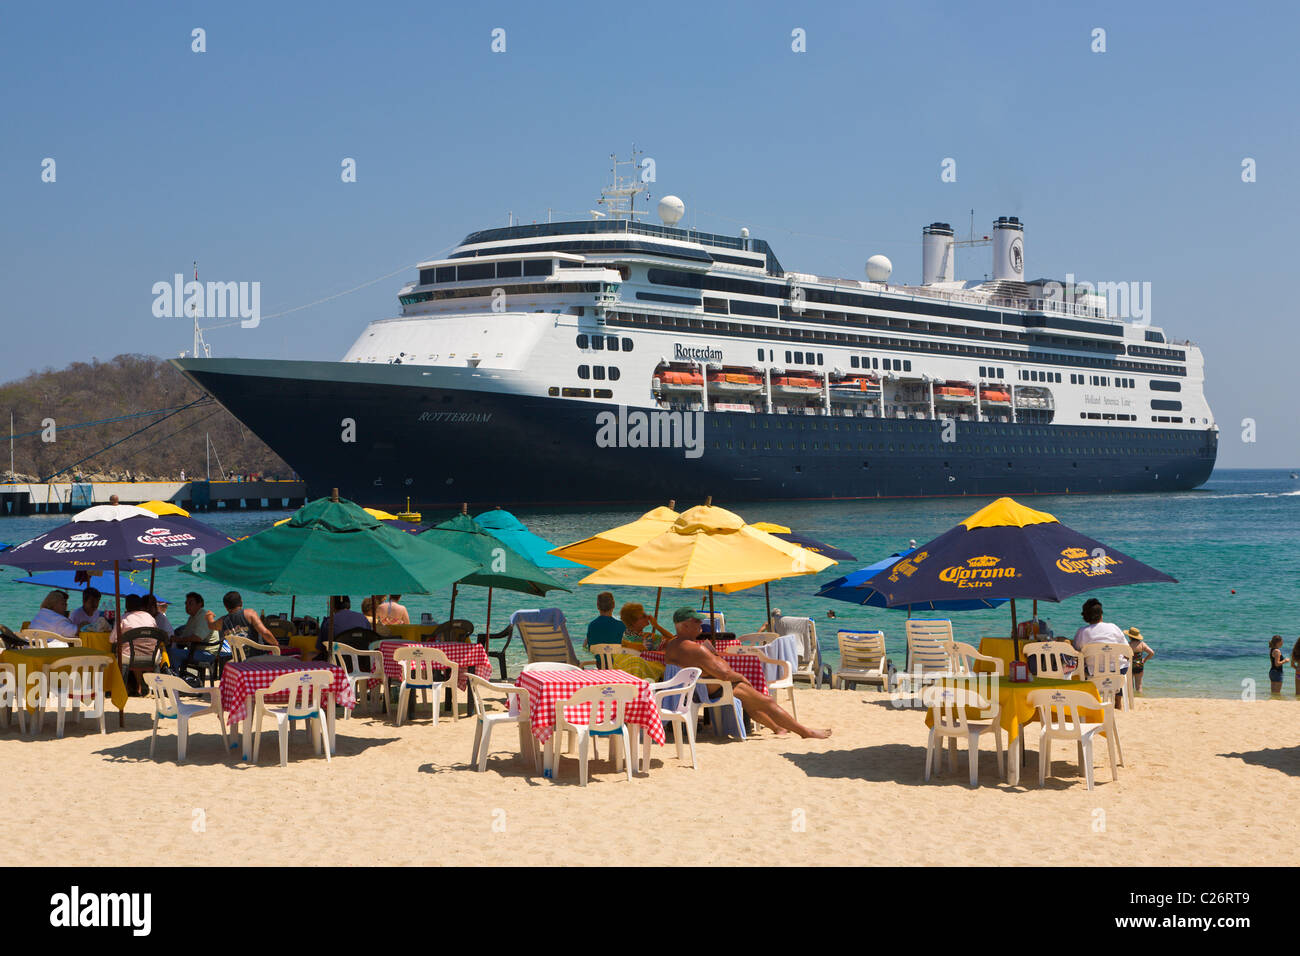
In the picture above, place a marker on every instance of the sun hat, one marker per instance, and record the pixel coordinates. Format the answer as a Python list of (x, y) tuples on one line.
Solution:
[(686, 614), (1133, 634)]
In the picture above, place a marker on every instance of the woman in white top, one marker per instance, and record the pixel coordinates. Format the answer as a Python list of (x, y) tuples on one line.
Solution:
[(53, 617), (1096, 631)]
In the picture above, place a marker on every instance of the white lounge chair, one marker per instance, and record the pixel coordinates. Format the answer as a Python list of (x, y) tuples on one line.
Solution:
[(419, 665), (862, 659), (675, 700), (171, 701), (1061, 714), (521, 716), (948, 719), (306, 691), (615, 699)]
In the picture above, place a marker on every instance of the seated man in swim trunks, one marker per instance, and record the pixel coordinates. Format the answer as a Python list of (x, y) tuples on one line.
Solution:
[(687, 650)]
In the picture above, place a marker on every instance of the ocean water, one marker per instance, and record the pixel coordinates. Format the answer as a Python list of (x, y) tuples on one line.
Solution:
[(1233, 545)]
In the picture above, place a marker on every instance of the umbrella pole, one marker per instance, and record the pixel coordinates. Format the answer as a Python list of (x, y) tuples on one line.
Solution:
[(117, 623), (153, 565), (1015, 638), (658, 594), (487, 628), (712, 619), (293, 605), (767, 598), (451, 615)]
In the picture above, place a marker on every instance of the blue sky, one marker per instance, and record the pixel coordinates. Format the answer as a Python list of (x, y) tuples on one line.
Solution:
[(1124, 165)]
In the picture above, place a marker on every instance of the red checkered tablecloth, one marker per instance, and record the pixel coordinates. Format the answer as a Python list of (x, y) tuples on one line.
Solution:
[(466, 655), (546, 688), (240, 679), (746, 665)]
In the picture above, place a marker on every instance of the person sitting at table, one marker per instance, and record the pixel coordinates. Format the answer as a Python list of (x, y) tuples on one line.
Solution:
[(244, 623), (135, 616), (685, 649), (53, 617), (154, 607), (392, 613), (635, 621), (604, 627), (193, 634), (87, 616), (342, 619), (1095, 630)]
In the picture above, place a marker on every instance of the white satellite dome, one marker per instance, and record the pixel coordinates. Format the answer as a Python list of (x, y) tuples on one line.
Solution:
[(671, 210), (878, 268)]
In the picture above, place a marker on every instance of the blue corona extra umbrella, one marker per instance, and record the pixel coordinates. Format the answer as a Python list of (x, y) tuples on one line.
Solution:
[(1006, 550), (67, 581), (854, 589)]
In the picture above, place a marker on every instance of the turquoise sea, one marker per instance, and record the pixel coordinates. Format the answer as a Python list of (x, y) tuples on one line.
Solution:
[(1239, 533)]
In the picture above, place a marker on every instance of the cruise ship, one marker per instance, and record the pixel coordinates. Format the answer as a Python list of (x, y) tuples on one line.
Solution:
[(615, 359)]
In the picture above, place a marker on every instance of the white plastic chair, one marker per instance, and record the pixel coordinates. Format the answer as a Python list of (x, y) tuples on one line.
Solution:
[(784, 681), (78, 683), (862, 659), (929, 650), (419, 665), (1049, 658), (680, 714), (366, 682), (38, 638), (169, 704), (809, 665), (615, 699), (306, 691), (964, 657), (604, 654), (549, 666), (947, 706), (725, 704), (1111, 664), (240, 646), (1061, 713), (520, 715), (11, 697)]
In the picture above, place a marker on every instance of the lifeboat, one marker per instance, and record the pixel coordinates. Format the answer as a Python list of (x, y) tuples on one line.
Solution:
[(855, 387), (992, 396), (735, 383), (796, 385), (670, 379), (954, 393)]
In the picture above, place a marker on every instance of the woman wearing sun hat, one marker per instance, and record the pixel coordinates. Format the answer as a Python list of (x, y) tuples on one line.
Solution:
[(1139, 647)]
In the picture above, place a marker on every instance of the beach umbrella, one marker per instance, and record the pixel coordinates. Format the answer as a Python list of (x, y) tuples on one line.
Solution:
[(1006, 550), (115, 537), (161, 508), (330, 546), (79, 581), (600, 549), (804, 541), (708, 547), (497, 564), (392, 519), (854, 589), (508, 529)]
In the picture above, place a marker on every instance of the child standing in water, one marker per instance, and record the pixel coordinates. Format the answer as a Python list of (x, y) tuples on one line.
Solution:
[(1141, 654), (1275, 665)]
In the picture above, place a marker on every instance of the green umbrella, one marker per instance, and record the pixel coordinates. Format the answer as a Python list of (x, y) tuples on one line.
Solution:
[(499, 566), (332, 546)]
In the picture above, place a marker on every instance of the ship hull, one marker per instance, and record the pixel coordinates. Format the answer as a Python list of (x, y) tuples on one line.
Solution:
[(380, 434)]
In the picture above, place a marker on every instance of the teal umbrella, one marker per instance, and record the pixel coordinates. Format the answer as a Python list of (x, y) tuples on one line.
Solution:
[(508, 529), (499, 565)]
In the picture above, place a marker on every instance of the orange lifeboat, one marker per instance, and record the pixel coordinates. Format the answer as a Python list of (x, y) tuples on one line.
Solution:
[(995, 397), (954, 393), (673, 379), (796, 383), (740, 382)]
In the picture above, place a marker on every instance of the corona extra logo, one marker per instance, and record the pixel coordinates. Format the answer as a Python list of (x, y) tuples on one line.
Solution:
[(978, 572), (1077, 561), (920, 556), (905, 567)]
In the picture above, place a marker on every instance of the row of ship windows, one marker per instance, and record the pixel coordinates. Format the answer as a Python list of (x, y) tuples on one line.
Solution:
[(487, 270), (1033, 375), (740, 444), (602, 342), (598, 372), (708, 327)]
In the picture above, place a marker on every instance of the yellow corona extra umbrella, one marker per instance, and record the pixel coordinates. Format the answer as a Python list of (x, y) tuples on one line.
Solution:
[(161, 508), (709, 548)]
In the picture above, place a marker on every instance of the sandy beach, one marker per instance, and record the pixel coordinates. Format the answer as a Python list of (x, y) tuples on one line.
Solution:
[(1207, 783)]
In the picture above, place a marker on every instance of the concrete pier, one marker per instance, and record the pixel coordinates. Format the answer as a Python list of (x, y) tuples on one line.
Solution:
[(69, 497)]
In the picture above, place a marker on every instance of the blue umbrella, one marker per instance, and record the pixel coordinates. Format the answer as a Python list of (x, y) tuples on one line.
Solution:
[(511, 532), (854, 589), (66, 581)]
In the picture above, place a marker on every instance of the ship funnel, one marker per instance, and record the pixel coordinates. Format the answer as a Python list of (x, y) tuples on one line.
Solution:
[(1008, 249), (937, 251)]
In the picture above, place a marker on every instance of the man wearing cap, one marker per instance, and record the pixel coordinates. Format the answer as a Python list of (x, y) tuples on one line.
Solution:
[(687, 650)]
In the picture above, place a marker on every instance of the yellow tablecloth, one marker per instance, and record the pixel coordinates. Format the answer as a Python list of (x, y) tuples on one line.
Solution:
[(1001, 648), (408, 632), (36, 659), (304, 642), (1013, 701), (102, 641), (638, 666)]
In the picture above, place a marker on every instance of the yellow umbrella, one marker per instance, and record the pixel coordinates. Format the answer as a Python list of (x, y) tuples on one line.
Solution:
[(709, 548), (161, 508), (600, 549)]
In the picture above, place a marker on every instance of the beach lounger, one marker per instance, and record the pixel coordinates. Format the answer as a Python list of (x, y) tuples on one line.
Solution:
[(862, 659), (929, 650)]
